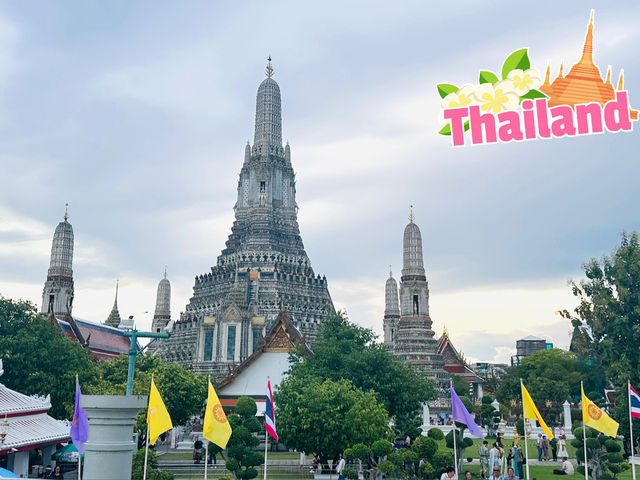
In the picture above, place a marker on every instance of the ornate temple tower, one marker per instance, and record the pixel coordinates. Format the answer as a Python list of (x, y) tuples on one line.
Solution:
[(263, 268), (114, 317), (57, 296), (162, 314), (414, 341), (391, 311)]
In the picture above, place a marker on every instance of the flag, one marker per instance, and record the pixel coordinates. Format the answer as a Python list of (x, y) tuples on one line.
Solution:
[(530, 411), (158, 417), (216, 427), (269, 417), (79, 426), (460, 414), (594, 417), (634, 401)]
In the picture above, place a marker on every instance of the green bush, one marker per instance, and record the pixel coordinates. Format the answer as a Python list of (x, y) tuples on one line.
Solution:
[(436, 434), (441, 460), (426, 470), (386, 467), (380, 448), (425, 447), (350, 473)]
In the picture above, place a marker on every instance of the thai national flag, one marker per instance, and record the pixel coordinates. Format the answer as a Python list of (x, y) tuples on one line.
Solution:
[(269, 417), (634, 400)]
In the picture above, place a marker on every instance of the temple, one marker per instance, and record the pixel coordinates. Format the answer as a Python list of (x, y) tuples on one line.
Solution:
[(407, 324), (584, 83), (263, 268)]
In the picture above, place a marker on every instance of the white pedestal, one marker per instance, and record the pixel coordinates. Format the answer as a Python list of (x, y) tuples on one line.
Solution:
[(110, 447)]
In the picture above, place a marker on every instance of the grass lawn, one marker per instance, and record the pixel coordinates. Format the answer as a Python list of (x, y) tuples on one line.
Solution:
[(544, 472)]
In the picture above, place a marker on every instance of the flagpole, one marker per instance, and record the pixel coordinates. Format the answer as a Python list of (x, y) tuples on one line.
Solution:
[(633, 463), (455, 450), (80, 466), (266, 442), (146, 452), (206, 448), (206, 459), (584, 433), (524, 424)]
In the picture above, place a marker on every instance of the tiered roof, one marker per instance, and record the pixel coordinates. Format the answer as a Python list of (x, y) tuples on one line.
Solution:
[(105, 342)]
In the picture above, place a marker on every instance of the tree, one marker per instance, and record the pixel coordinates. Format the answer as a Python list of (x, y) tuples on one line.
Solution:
[(607, 320), (137, 467), (373, 456), (343, 350), (460, 384), (39, 358), (600, 460), (241, 447), (548, 375), (489, 416), (327, 417)]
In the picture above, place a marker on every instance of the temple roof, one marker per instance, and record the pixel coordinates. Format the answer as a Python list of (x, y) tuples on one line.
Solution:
[(105, 342), (12, 402), (454, 361), (282, 337)]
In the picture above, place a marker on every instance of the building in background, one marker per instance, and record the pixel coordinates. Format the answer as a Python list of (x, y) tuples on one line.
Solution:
[(528, 345)]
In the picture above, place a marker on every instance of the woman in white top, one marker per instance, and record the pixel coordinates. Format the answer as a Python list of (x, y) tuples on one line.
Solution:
[(562, 449), (494, 457)]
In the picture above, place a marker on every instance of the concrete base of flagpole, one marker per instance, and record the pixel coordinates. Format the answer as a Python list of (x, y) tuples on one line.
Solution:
[(110, 447)]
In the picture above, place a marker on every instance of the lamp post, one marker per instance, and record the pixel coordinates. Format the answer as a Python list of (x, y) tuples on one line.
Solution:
[(133, 351)]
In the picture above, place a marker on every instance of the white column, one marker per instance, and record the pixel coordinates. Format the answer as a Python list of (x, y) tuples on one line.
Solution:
[(110, 447), (426, 423), (21, 463), (567, 416), (495, 405)]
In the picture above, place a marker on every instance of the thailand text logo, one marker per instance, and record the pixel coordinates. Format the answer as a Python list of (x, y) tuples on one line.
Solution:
[(521, 106)]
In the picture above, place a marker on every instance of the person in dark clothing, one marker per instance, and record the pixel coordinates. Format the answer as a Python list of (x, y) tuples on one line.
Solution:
[(57, 473), (554, 449)]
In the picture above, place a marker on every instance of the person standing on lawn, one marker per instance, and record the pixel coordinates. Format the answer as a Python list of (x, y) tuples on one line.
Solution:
[(554, 448), (545, 448), (562, 448), (483, 453), (539, 446)]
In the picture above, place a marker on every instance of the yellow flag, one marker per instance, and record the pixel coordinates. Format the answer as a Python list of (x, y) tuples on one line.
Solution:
[(593, 417), (157, 416), (216, 428), (530, 411)]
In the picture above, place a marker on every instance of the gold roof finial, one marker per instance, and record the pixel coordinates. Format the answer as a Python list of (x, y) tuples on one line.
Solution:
[(390, 272), (66, 212), (411, 217), (561, 72), (548, 74), (621, 79), (587, 50), (444, 331), (165, 272), (608, 80), (269, 69)]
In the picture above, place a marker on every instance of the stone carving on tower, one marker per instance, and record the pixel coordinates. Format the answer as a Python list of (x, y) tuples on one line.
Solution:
[(263, 267), (57, 295), (391, 311), (162, 314), (413, 340)]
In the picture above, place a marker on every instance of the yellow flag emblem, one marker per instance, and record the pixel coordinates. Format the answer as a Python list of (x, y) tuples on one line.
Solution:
[(530, 410), (158, 417), (216, 427), (594, 417)]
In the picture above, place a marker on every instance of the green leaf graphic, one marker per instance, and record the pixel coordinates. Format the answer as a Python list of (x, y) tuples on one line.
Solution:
[(445, 89), (446, 130), (532, 95), (488, 77), (518, 59)]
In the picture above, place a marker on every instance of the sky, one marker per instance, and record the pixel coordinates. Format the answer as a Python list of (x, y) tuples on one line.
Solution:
[(136, 114)]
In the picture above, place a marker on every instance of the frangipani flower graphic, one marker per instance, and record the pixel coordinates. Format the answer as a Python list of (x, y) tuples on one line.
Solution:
[(462, 98), (525, 80), (497, 98)]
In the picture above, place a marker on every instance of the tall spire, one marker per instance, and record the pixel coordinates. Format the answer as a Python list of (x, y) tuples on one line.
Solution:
[(57, 296), (66, 212), (162, 314), (412, 263), (587, 50), (113, 320), (268, 128)]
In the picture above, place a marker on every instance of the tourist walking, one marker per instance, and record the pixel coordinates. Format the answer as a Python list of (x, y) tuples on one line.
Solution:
[(539, 446), (483, 453), (545, 448), (562, 448), (340, 467)]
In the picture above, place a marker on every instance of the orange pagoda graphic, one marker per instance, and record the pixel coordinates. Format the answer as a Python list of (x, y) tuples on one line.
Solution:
[(583, 83)]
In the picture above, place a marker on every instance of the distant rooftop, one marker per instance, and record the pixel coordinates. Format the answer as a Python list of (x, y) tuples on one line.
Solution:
[(531, 338)]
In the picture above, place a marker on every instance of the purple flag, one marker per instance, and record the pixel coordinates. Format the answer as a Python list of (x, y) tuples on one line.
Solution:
[(79, 426), (460, 414)]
